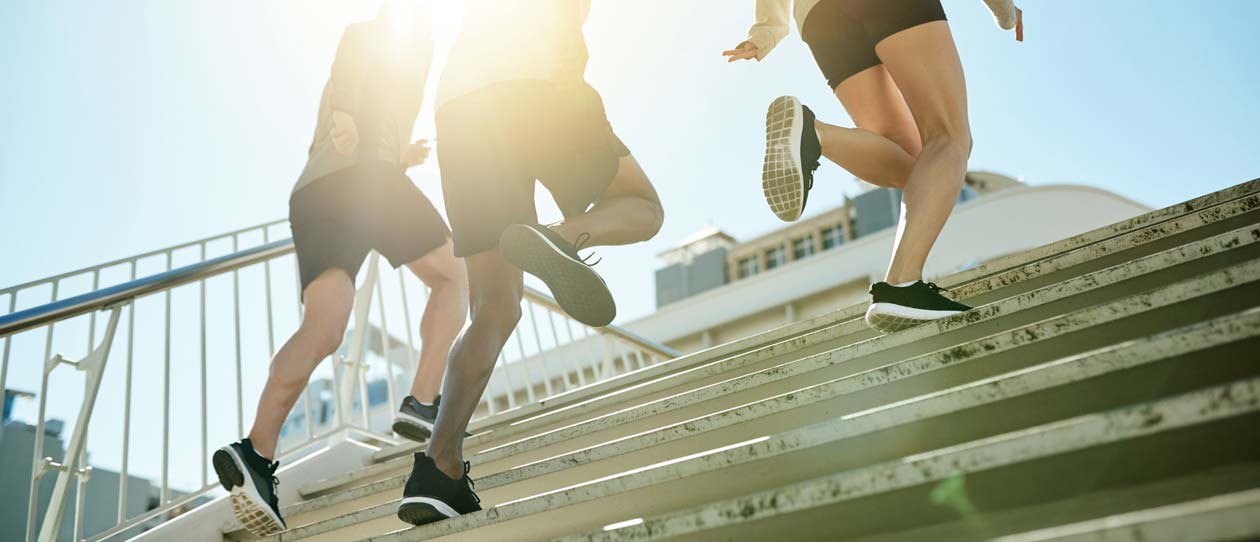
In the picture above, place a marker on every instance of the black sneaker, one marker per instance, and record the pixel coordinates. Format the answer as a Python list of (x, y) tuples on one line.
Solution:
[(251, 481), (895, 308), (431, 496), (579, 290), (792, 154), (415, 420)]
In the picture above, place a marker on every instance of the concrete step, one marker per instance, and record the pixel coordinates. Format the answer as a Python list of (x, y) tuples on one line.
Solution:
[(1121, 447), (837, 336), (676, 409), (927, 373), (1235, 516), (976, 410), (1083, 508), (1220, 210)]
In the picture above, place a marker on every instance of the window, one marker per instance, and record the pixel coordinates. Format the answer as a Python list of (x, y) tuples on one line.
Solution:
[(803, 247), (746, 267), (832, 237), (775, 257)]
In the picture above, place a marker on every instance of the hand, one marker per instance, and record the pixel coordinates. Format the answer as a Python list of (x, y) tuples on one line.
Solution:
[(344, 133), (743, 51), (415, 153)]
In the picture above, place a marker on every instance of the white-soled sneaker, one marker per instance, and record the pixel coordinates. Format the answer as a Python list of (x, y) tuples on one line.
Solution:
[(792, 154), (894, 308)]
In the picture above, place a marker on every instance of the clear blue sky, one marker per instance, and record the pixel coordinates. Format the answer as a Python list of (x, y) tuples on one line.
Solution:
[(125, 126), (130, 125)]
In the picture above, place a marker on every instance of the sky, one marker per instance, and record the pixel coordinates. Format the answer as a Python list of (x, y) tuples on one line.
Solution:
[(130, 125)]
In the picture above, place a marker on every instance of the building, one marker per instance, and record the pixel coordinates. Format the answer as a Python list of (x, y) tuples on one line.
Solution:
[(714, 288)]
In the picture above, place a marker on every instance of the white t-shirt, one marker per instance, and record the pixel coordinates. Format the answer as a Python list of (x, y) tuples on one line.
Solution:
[(509, 40)]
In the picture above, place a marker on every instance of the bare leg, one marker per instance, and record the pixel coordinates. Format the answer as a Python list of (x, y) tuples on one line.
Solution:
[(495, 289), (924, 63), (883, 148), (328, 300), (629, 211), (444, 316)]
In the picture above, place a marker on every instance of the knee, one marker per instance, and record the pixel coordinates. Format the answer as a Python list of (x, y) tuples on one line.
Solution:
[(324, 340), (499, 313), (450, 275), (952, 143), (656, 218)]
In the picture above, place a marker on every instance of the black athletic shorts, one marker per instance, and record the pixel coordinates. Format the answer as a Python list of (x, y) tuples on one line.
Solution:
[(842, 33), (338, 218), (493, 144)]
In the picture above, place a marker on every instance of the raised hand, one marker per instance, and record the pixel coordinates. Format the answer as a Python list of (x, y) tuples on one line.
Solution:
[(415, 153), (743, 51)]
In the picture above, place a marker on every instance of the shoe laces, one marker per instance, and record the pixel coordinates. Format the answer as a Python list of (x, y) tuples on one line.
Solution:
[(275, 482), (811, 164), (582, 240), (471, 486), (932, 286)]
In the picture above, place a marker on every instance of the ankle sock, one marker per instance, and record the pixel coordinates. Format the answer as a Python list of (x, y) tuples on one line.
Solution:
[(904, 284)]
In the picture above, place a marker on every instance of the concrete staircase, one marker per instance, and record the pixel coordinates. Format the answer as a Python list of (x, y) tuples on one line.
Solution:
[(1106, 387)]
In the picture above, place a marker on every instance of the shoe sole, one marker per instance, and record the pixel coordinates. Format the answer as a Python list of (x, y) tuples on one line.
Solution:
[(254, 514), (577, 288), (889, 317), (412, 428), (424, 510), (782, 177)]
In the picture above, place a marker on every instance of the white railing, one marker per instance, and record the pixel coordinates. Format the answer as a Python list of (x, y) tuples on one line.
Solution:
[(226, 287)]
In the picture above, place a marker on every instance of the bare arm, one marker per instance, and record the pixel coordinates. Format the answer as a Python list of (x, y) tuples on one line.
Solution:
[(771, 26)]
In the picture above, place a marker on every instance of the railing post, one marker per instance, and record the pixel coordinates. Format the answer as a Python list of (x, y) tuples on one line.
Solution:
[(357, 342), (93, 367)]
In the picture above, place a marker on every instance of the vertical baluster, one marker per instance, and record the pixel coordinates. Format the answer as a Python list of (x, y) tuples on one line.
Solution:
[(8, 342), (78, 501), (96, 284), (529, 378), (507, 377), (164, 494), (597, 366), (306, 392), (126, 435), (411, 344), (581, 368), (236, 319), (38, 452), (638, 358), (271, 336), (385, 350), (205, 442), (533, 323), (566, 360)]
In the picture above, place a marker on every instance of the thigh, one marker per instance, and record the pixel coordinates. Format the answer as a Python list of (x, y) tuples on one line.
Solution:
[(484, 183), (574, 151), (325, 235), (630, 182), (438, 265), (924, 63), (327, 301), (875, 104), (838, 42), (405, 225), (492, 281)]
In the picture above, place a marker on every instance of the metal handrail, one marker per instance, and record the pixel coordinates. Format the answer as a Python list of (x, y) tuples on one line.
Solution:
[(141, 256), (100, 299), (105, 297), (616, 331), (615, 352)]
